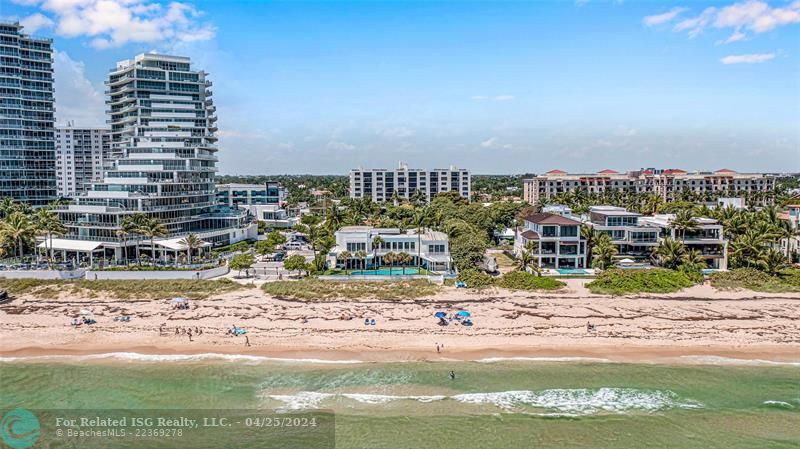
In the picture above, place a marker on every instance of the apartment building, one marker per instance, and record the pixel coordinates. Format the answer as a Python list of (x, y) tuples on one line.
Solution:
[(80, 153), (27, 137), (163, 164), (556, 240), (235, 195), (708, 239), (666, 183), (380, 184), (634, 240), (429, 249)]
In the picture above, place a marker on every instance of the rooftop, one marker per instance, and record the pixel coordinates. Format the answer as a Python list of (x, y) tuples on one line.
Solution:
[(550, 219)]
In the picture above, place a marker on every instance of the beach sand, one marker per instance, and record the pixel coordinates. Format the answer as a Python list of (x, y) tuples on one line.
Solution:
[(699, 321)]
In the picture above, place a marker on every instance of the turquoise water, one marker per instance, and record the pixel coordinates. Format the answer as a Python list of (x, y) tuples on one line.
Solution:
[(490, 404), (572, 271), (386, 271)]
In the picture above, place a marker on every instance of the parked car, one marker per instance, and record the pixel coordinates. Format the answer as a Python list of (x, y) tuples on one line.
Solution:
[(279, 256)]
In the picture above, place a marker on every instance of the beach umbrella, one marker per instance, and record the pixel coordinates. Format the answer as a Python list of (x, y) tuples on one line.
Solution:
[(178, 300), (86, 312), (440, 314), (463, 313)]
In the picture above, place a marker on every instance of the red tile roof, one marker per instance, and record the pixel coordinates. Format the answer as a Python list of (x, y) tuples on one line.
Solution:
[(608, 171), (672, 171), (530, 235), (725, 170), (550, 219), (556, 172)]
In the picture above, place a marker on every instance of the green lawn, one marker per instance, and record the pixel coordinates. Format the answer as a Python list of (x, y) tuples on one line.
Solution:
[(316, 289), (624, 282), (124, 289)]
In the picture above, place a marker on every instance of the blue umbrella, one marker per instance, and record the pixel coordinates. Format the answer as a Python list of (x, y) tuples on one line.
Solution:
[(463, 313), (440, 315)]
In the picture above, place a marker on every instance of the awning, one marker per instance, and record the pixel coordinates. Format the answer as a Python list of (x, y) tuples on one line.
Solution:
[(70, 245), (175, 244)]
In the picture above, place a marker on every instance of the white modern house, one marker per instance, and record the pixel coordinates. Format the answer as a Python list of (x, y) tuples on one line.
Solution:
[(634, 240), (428, 249), (266, 202), (556, 240), (708, 239)]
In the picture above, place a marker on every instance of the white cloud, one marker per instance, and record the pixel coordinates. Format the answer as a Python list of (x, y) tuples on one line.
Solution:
[(696, 25), (35, 22), (77, 98), (113, 23), (755, 58), (340, 146), (754, 16), (493, 98), (659, 19), (625, 131), (494, 142)]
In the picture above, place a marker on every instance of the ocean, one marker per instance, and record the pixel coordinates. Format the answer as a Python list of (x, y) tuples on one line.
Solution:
[(493, 403)]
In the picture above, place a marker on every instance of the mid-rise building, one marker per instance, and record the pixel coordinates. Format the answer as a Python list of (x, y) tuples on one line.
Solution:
[(555, 241), (665, 183), (380, 184), (235, 195), (163, 164), (266, 202), (27, 148), (429, 249), (80, 153)]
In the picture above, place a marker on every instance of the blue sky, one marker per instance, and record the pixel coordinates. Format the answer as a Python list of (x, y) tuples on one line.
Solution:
[(496, 87)]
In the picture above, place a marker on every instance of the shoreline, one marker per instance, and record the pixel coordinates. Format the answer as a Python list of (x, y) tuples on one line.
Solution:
[(785, 355)]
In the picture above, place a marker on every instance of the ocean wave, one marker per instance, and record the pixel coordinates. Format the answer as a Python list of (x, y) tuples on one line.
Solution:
[(384, 398), (779, 404), (581, 400), (717, 360), (140, 357), (543, 359), (557, 402)]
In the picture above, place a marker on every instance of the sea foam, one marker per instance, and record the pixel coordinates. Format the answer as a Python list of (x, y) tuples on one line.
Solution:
[(140, 357), (717, 360)]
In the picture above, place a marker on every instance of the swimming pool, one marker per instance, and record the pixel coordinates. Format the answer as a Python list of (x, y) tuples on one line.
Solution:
[(572, 271), (395, 271)]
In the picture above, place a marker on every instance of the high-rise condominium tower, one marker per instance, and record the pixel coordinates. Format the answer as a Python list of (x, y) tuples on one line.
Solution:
[(80, 153), (162, 159), (27, 151)]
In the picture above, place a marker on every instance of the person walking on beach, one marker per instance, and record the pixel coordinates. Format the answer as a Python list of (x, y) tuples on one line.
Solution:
[(438, 350), (246, 340), (190, 334)]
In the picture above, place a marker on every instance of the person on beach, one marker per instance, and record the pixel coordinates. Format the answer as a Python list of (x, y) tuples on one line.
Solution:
[(246, 340), (438, 350), (452, 375), (190, 334)]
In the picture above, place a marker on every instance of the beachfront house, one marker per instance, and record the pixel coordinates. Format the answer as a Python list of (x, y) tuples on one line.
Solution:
[(708, 238), (634, 240), (555, 240), (428, 249)]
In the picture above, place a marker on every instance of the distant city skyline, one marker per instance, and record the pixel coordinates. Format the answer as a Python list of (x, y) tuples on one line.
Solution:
[(321, 87)]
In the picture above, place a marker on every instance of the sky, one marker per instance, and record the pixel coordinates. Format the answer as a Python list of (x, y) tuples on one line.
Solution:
[(494, 87)]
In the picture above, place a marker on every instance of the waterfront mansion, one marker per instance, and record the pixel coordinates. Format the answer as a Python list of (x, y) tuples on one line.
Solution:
[(368, 246)]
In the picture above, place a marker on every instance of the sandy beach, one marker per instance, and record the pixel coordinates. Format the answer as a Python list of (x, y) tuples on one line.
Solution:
[(696, 322)]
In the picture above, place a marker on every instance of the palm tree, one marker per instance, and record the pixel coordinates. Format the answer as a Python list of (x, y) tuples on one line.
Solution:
[(131, 225), (670, 253), (191, 242), (151, 229), (344, 256), (377, 241), (334, 218), (525, 260), (7, 206), (684, 222), (361, 255), (46, 223), (587, 233), (748, 248), (420, 218), (390, 258), (773, 262), (604, 252), (17, 227), (403, 259)]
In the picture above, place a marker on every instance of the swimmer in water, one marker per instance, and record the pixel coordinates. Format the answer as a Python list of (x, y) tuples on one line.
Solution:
[(452, 375)]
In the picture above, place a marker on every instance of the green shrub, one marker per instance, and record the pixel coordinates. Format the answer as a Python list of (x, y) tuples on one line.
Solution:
[(522, 280), (621, 282), (475, 278), (751, 279)]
